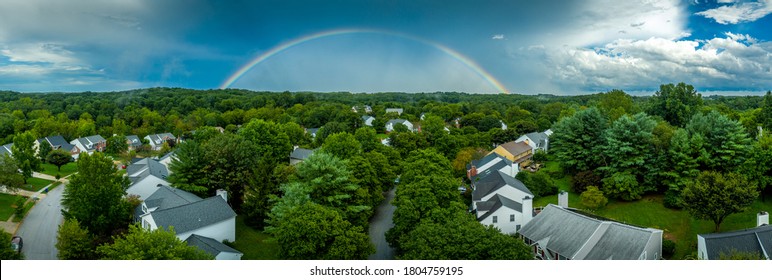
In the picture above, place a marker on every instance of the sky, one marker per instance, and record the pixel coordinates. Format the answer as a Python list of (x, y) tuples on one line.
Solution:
[(526, 47)]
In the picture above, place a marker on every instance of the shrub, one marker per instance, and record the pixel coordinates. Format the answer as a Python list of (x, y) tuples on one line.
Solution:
[(584, 179), (673, 199), (593, 198), (540, 156), (58, 176), (668, 248), (539, 183)]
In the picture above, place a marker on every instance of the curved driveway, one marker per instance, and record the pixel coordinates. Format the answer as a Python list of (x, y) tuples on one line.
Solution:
[(40, 225), (382, 222)]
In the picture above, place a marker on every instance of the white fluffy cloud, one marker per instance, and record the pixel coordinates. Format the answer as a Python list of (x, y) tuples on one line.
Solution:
[(739, 12), (734, 62)]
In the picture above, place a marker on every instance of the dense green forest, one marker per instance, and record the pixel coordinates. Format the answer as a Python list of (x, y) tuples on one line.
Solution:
[(610, 144)]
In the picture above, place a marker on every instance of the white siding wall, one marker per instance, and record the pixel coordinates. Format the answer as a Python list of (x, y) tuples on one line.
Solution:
[(146, 187), (228, 256), (79, 145), (702, 251), (149, 220), (654, 247), (225, 230), (503, 217), (530, 142)]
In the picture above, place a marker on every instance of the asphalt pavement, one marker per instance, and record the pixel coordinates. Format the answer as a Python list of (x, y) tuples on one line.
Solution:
[(381, 222), (40, 225)]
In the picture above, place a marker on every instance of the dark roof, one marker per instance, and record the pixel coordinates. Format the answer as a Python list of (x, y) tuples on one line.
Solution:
[(145, 167), (6, 149), (167, 155), (496, 202), (312, 130), (208, 245), (490, 183), (539, 137), (516, 148), (365, 118), (395, 121), (301, 153), (167, 197), (133, 140), (192, 216), (158, 139), (89, 141), (57, 142), (747, 240), (567, 232)]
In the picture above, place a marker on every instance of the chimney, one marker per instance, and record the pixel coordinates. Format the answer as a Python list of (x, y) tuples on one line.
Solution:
[(762, 218), (527, 209), (563, 199), (222, 193), (472, 172)]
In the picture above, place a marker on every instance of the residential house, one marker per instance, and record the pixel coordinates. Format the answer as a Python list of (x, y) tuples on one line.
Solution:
[(189, 215), (390, 124), (368, 120), (146, 175), (502, 201), (157, 140), (90, 144), (537, 141), (503, 125), (423, 116), (517, 152), (394, 110), (57, 142), (133, 142), (6, 149), (299, 155), (312, 131), (166, 160), (561, 233), (491, 163), (213, 247), (756, 241)]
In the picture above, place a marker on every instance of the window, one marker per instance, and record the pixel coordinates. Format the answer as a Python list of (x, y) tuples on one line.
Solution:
[(145, 224), (512, 218), (495, 219)]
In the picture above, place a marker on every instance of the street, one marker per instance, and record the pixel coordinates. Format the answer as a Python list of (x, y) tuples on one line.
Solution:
[(382, 222), (40, 225)]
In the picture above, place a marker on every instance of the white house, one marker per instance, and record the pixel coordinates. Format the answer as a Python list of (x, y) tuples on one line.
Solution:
[(757, 241), (491, 163), (502, 201), (368, 120), (559, 233), (503, 125), (390, 124), (90, 144), (537, 140), (188, 214), (145, 176), (133, 142), (157, 140), (298, 155), (166, 160), (394, 110)]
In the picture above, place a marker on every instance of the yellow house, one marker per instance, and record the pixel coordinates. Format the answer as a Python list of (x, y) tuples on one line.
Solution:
[(515, 151)]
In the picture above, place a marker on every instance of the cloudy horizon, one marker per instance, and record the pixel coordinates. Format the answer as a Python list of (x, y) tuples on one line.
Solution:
[(549, 47)]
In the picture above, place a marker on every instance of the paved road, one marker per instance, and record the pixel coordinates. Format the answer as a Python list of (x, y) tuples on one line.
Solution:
[(39, 227), (382, 222)]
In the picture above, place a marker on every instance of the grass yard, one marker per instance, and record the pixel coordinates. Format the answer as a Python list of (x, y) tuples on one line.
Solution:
[(36, 184), (382, 136), (253, 243), (67, 169), (6, 201)]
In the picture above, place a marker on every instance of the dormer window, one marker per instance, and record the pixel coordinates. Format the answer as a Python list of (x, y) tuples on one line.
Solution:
[(144, 208)]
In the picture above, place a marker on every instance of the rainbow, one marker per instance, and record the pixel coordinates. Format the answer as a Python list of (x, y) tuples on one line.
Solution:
[(297, 41)]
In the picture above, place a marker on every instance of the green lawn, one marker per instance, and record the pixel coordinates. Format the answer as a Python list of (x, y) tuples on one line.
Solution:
[(649, 211), (35, 184), (253, 243), (67, 169), (6, 201), (382, 136)]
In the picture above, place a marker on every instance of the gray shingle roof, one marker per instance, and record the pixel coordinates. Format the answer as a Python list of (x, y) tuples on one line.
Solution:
[(490, 183), (208, 245), (567, 232), (396, 121), (312, 131), (192, 216), (6, 149), (365, 118), (516, 148), (145, 167), (301, 153), (134, 140), (538, 137), (90, 141), (158, 139), (167, 197), (747, 240), (395, 110), (496, 202), (57, 142)]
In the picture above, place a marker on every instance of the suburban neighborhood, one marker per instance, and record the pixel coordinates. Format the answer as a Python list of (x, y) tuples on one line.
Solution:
[(569, 188)]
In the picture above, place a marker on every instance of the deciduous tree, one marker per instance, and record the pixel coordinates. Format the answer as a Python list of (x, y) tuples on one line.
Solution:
[(23, 151), (593, 198), (74, 242), (59, 157), (714, 196), (9, 173), (577, 140), (142, 244), (676, 103)]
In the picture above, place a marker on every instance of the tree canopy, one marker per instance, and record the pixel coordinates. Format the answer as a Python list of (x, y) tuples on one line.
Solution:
[(142, 244), (714, 196)]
